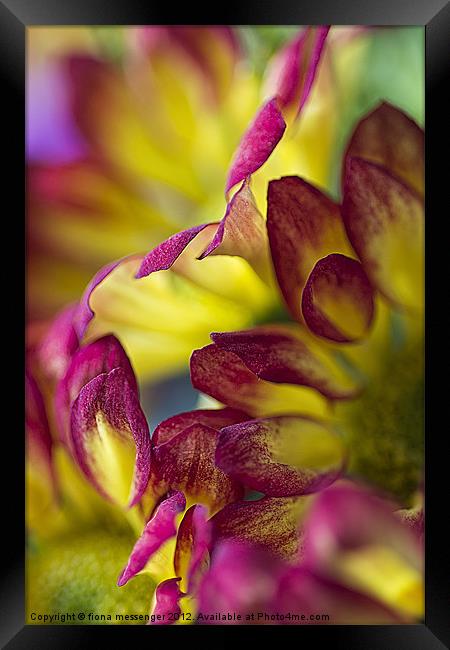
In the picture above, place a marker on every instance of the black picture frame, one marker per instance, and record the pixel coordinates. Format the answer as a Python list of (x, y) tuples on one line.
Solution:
[(15, 17)]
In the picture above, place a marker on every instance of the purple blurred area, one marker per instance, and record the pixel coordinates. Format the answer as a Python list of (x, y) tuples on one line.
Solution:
[(51, 135)]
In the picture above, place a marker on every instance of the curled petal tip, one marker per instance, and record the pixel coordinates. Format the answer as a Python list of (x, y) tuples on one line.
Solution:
[(338, 299), (110, 437)]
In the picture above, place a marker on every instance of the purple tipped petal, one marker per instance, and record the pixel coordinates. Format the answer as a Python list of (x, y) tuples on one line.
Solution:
[(163, 256), (242, 232), (293, 70), (96, 358), (384, 220), (59, 344), (303, 225), (38, 438), (192, 550), (167, 595), (257, 144), (351, 517), (338, 299), (213, 418), (187, 462), (301, 591), (281, 456), (387, 136), (84, 313), (272, 523), (111, 438), (241, 579), (280, 355), (159, 529), (354, 537)]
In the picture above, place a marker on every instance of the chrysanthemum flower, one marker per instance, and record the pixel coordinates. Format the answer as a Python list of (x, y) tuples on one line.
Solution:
[(359, 326), (169, 488), (142, 179), (352, 278), (335, 392), (148, 139)]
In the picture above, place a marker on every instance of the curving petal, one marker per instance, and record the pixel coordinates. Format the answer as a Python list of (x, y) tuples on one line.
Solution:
[(281, 456), (272, 523), (163, 256), (42, 492), (354, 537), (191, 557), (302, 592), (157, 531), (257, 143), (303, 225), (387, 136), (110, 437), (84, 313), (145, 314), (242, 579), (291, 74), (59, 344), (93, 359), (338, 299), (224, 376), (213, 418), (187, 462), (254, 585), (385, 224), (286, 355), (166, 598), (242, 232)]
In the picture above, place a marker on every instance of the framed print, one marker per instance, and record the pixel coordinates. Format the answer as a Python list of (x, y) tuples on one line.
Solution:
[(228, 370)]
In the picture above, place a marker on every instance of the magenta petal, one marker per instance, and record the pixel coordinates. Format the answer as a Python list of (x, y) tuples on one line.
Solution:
[(192, 549), (339, 283), (281, 456), (277, 355), (160, 528), (213, 418), (257, 143), (39, 444), (296, 65), (98, 357), (301, 591), (39, 440), (84, 313), (350, 517), (273, 523), (107, 413), (242, 232), (186, 462), (59, 344), (241, 579), (163, 256), (35, 413), (167, 595)]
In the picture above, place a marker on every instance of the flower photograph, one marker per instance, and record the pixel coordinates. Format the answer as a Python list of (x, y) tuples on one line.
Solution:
[(224, 380)]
